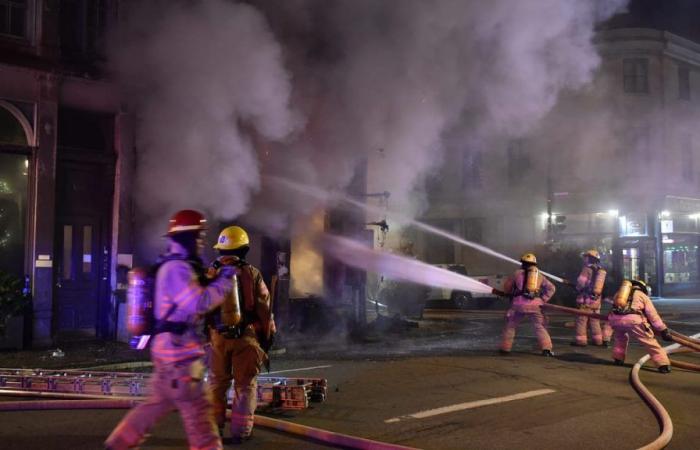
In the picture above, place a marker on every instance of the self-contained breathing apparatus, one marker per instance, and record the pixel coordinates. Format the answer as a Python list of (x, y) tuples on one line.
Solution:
[(594, 288), (140, 317), (622, 302), (530, 287), (232, 318)]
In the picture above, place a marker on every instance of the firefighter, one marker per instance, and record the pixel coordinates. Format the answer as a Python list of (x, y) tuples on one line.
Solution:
[(528, 289), (634, 314), (177, 350), (589, 286), (240, 332)]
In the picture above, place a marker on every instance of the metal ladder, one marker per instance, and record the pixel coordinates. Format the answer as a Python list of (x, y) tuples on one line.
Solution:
[(276, 393)]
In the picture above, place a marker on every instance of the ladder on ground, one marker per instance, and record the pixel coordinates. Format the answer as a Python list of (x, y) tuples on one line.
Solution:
[(273, 393)]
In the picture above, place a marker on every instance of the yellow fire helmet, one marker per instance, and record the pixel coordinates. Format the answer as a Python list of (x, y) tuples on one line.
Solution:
[(593, 253), (232, 238), (529, 258)]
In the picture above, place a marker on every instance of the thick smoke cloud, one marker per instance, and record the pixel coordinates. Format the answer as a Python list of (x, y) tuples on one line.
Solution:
[(206, 78), (381, 82), (385, 83)]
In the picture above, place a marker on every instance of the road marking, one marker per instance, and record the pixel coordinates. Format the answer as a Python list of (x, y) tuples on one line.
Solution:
[(296, 370), (470, 405)]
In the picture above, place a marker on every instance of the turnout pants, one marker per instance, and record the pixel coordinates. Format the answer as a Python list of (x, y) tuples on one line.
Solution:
[(582, 325), (173, 387), (239, 360), (645, 335), (513, 319)]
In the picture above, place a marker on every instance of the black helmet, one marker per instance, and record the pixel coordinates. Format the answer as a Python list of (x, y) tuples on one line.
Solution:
[(639, 284)]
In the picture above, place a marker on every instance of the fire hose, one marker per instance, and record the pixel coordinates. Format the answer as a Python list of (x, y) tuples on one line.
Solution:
[(72, 402), (662, 416)]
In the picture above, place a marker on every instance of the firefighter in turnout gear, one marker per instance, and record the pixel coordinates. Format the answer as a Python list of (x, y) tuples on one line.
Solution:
[(180, 301), (589, 287), (528, 289), (241, 332), (634, 314)]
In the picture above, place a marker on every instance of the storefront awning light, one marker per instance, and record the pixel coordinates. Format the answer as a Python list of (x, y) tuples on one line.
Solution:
[(665, 213), (613, 212)]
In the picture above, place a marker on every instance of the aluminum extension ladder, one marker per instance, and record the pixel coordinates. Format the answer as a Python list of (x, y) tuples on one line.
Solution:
[(276, 393)]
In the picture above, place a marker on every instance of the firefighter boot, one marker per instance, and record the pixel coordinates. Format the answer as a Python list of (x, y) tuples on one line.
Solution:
[(665, 369), (619, 362), (547, 353)]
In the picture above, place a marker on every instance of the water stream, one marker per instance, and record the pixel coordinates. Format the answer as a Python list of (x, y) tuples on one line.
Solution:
[(332, 196), (397, 267)]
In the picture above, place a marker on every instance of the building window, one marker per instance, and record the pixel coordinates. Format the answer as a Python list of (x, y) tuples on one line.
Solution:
[(472, 177), (683, 83), (687, 165), (83, 25), (518, 162), (13, 18), (13, 206), (680, 259), (635, 75)]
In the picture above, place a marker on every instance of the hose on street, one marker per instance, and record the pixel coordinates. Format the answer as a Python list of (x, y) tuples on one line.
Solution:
[(662, 415), (69, 401), (682, 343)]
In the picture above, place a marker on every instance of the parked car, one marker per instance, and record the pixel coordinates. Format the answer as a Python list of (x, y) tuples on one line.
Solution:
[(444, 298)]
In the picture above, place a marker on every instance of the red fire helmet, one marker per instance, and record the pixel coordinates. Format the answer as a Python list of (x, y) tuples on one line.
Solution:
[(186, 220)]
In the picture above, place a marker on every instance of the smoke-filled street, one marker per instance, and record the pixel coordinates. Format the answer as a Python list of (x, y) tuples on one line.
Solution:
[(361, 224), (443, 386)]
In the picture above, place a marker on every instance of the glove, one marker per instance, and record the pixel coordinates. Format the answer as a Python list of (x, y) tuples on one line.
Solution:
[(666, 335)]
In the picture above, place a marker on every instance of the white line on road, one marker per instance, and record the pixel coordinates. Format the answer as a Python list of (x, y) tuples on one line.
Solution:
[(296, 370), (470, 405)]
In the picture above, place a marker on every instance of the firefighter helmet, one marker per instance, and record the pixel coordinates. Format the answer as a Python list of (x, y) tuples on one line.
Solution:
[(232, 238), (528, 258), (186, 220), (640, 285), (593, 253)]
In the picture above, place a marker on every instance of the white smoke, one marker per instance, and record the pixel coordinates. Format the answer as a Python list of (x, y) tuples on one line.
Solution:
[(385, 81), (376, 81), (206, 79)]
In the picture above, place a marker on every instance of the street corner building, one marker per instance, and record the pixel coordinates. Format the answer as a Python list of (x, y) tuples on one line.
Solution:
[(65, 162), (622, 171)]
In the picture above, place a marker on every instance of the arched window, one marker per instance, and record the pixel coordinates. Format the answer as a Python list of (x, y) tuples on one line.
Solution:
[(16, 137), (14, 127)]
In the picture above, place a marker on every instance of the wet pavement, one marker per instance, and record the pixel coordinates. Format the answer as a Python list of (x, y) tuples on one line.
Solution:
[(443, 386)]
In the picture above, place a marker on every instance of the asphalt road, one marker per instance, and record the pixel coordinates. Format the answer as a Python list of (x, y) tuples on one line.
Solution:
[(392, 391)]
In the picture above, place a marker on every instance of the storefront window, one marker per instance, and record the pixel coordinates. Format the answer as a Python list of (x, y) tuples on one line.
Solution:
[(13, 206), (681, 259), (630, 263)]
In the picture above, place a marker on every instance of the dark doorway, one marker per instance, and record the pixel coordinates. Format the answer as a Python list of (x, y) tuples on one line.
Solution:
[(84, 193)]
